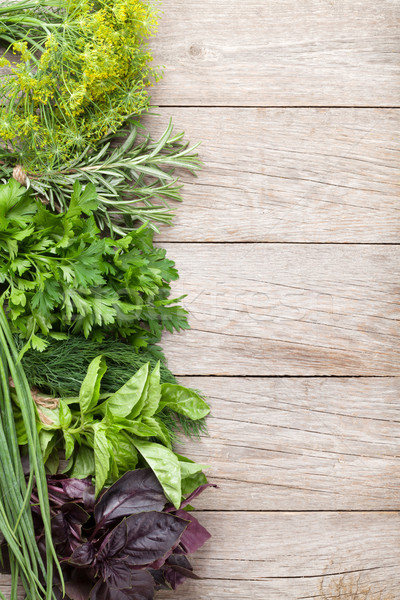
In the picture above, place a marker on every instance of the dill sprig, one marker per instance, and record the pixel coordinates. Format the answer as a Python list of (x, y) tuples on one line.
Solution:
[(83, 68)]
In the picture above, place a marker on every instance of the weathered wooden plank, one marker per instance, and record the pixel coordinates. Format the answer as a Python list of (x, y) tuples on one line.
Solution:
[(288, 555), (289, 175), (363, 586), (300, 444), (279, 53), (287, 309)]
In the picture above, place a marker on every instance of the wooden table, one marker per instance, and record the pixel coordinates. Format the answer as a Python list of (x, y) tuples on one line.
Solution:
[(287, 246), (288, 249)]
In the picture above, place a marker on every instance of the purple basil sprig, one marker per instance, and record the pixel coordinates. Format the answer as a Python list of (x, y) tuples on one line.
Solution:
[(125, 546)]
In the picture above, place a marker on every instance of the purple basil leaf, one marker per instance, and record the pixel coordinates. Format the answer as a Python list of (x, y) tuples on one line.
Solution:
[(195, 535), (117, 573), (137, 491), (177, 569), (142, 539), (159, 580), (83, 555), (66, 527), (78, 583), (142, 588)]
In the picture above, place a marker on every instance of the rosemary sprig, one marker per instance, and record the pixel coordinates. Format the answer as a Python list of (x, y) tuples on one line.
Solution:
[(134, 179)]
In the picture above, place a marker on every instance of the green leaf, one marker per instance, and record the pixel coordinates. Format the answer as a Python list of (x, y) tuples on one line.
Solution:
[(69, 444), (122, 402), (123, 452), (85, 201), (101, 456), (53, 462), (17, 297), (38, 343), (184, 401), (83, 464), (90, 388), (153, 396), (165, 466), (189, 467), (65, 415), (192, 482), (46, 438), (159, 430)]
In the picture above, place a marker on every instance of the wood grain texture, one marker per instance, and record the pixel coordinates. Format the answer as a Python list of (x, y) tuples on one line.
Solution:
[(287, 309), (275, 556), (279, 53), (289, 175), (289, 556), (300, 444)]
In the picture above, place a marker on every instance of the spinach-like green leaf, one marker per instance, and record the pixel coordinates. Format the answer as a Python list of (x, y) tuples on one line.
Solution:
[(90, 388), (101, 455), (65, 415), (69, 441), (83, 465), (122, 402), (183, 401), (153, 397), (165, 466)]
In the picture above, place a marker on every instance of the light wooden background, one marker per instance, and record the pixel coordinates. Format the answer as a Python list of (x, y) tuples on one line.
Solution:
[(287, 246), (288, 249)]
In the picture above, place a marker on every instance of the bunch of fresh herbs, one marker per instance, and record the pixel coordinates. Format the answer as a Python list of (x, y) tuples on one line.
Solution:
[(62, 366), (134, 177), (16, 525), (125, 546), (83, 69), (59, 276), (105, 435)]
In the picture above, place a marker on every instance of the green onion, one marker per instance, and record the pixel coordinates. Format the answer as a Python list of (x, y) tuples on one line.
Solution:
[(16, 522)]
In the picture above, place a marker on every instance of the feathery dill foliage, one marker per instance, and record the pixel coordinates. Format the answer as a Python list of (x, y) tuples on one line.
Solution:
[(83, 70)]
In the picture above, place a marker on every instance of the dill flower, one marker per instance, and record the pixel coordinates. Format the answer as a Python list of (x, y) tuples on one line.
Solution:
[(84, 69)]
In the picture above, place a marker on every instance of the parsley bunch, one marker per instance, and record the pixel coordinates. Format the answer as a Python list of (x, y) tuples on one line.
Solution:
[(59, 276)]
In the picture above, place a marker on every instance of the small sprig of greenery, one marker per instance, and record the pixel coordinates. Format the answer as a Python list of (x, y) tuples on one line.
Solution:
[(84, 68), (134, 177), (59, 276)]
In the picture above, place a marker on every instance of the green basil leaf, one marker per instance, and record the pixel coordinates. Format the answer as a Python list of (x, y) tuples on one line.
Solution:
[(64, 414), (165, 466), (53, 462), (123, 453), (191, 483), (101, 456), (69, 441), (183, 401), (49, 417), (159, 429), (90, 388), (46, 445), (122, 402), (138, 428), (83, 464), (153, 397), (189, 467)]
